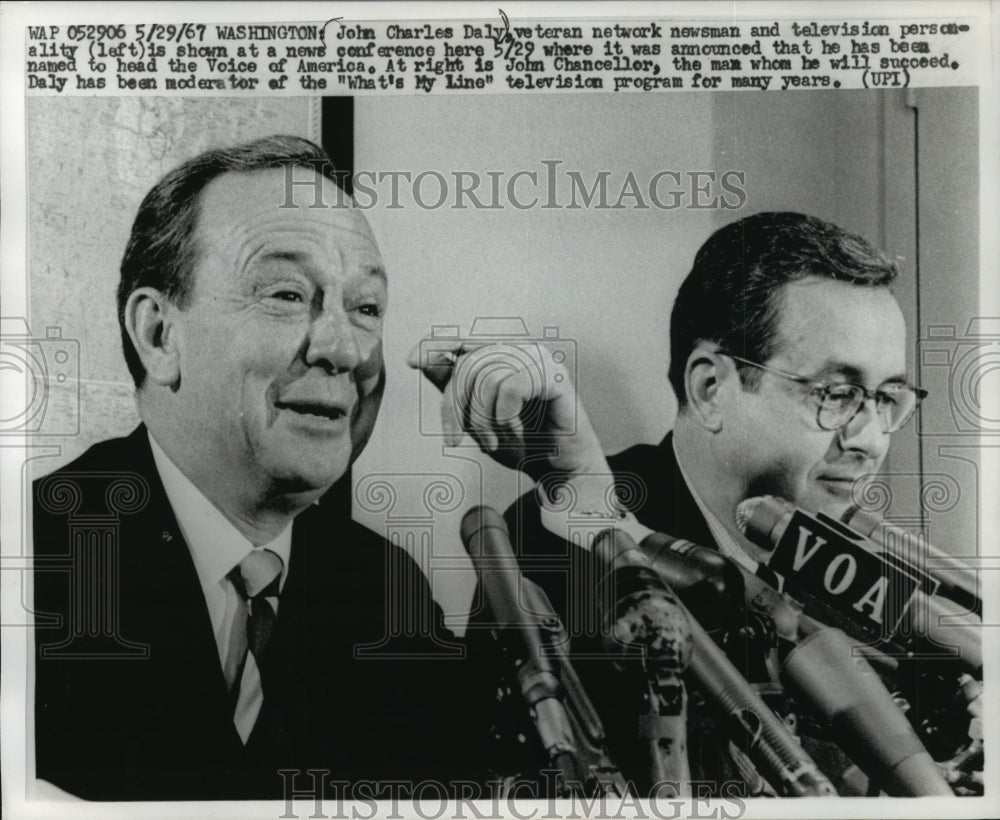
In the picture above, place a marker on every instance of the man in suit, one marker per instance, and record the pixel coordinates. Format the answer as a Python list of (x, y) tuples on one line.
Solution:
[(210, 622), (788, 362)]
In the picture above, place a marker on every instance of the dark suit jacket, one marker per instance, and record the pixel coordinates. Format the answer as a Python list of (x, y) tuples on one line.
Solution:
[(131, 702), (649, 483)]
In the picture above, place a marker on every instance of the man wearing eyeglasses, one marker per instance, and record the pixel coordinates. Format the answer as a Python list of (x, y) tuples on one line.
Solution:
[(787, 359)]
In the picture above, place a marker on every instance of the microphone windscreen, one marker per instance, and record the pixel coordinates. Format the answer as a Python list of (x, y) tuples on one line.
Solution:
[(757, 518)]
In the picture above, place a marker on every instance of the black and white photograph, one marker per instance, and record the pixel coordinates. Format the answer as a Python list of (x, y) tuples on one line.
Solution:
[(448, 410)]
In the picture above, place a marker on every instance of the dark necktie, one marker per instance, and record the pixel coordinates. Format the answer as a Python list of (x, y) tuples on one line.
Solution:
[(256, 579)]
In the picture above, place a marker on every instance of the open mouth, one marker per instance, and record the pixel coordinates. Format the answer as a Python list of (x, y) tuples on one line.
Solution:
[(317, 410)]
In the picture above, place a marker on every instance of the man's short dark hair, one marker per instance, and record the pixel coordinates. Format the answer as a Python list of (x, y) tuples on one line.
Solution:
[(161, 250), (732, 295)]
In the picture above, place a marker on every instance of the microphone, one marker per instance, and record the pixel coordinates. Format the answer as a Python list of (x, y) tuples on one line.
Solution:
[(863, 717), (642, 613), (573, 738), (823, 669), (710, 585), (757, 731), (850, 697), (875, 597), (716, 591), (957, 580)]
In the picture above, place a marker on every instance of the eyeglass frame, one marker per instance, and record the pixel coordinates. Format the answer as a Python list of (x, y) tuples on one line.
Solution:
[(824, 386)]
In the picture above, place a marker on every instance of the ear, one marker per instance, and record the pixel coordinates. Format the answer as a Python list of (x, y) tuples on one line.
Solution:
[(148, 321), (703, 381)]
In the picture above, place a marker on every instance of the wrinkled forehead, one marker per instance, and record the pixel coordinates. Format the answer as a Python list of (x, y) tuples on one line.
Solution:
[(287, 199)]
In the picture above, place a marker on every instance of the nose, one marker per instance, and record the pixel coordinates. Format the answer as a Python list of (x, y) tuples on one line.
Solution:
[(333, 341), (863, 434)]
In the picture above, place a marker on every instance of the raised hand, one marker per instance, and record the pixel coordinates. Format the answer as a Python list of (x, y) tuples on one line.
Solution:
[(516, 401)]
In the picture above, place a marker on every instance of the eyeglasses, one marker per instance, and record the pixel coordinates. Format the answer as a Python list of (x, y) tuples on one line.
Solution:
[(837, 403)]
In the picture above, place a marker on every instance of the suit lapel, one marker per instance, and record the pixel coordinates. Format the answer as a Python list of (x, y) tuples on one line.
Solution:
[(663, 501), (166, 599)]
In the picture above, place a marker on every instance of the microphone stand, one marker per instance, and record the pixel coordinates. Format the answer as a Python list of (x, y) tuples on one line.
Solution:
[(535, 641), (567, 723)]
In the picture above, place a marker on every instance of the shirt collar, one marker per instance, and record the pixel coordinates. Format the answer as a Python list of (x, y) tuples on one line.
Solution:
[(728, 545), (215, 544)]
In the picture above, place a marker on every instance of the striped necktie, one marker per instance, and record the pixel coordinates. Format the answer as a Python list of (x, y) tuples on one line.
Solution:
[(256, 578)]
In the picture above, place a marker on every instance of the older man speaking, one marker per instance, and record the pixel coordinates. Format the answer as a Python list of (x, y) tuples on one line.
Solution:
[(261, 643)]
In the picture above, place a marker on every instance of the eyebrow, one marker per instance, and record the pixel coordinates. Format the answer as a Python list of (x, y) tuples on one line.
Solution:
[(285, 256), (853, 374), (294, 256)]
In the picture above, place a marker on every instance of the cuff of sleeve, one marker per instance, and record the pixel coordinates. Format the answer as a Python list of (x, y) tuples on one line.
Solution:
[(561, 522)]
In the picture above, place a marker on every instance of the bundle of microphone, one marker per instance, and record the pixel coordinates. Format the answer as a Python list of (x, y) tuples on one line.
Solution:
[(890, 603), (874, 640)]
